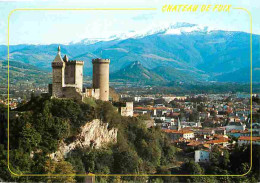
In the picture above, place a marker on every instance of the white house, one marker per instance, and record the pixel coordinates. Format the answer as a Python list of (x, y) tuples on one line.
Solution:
[(176, 134), (235, 126), (128, 109), (201, 156)]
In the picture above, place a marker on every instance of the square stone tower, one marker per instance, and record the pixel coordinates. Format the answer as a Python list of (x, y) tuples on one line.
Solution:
[(67, 78), (74, 74), (57, 75)]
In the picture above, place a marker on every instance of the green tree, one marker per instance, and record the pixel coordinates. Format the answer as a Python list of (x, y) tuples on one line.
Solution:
[(29, 138), (60, 167), (126, 162), (78, 166)]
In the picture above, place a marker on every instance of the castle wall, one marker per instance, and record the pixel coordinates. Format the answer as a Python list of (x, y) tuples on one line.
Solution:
[(101, 77), (95, 93), (71, 92), (79, 75)]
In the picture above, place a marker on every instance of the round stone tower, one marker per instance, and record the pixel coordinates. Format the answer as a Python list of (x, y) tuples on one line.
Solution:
[(101, 77)]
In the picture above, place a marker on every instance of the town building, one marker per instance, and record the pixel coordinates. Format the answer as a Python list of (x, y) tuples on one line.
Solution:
[(245, 140), (177, 134), (201, 156), (206, 131), (127, 109), (235, 126)]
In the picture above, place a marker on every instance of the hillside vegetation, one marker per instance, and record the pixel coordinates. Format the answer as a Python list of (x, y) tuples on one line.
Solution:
[(37, 128), (42, 123)]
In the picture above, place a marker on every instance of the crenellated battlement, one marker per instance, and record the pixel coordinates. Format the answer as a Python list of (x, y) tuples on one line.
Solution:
[(78, 62), (99, 60), (57, 64)]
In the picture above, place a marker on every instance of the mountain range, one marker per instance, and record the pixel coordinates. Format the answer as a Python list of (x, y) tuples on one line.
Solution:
[(180, 52)]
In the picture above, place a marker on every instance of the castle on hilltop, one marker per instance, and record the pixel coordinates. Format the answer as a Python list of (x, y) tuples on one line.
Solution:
[(67, 79)]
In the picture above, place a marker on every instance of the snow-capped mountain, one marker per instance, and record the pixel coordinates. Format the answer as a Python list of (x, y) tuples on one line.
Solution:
[(172, 29), (87, 41), (177, 29), (184, 50)]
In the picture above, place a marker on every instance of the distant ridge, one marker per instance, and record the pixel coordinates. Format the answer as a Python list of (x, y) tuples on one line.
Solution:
[(178, 52)]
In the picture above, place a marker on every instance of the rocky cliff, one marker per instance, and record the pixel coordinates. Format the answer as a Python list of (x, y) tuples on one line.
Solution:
[(94, 134)]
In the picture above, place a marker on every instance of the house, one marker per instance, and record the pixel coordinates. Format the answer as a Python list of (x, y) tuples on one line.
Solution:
[(235, 126), (220, 141), (244, 140), (159, 105), (127, 110), (220, 130), (207, 131), (234, 133), (177, 134), (171, 98), (201, 156)]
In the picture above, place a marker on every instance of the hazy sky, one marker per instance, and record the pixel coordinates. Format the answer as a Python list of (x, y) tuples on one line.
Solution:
[(46, 27)]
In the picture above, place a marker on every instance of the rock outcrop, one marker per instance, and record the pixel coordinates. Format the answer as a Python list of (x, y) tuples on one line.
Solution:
[(95, 134)]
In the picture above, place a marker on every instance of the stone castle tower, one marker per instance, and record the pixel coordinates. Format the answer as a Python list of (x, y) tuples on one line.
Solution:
[(101, 77), (57, 75), (67, 81), (66, 74)]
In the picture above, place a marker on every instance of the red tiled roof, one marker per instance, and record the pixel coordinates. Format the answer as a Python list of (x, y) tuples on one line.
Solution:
[(175, 114), (176, 131), (194, 143), (220, 136), (235, 131), (218, 141), (249, 138), (151, 108)]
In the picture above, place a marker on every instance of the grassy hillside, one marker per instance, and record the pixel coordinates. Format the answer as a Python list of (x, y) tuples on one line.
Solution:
[(23, 76), (240, 75), (135, 72), (173, 74)]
